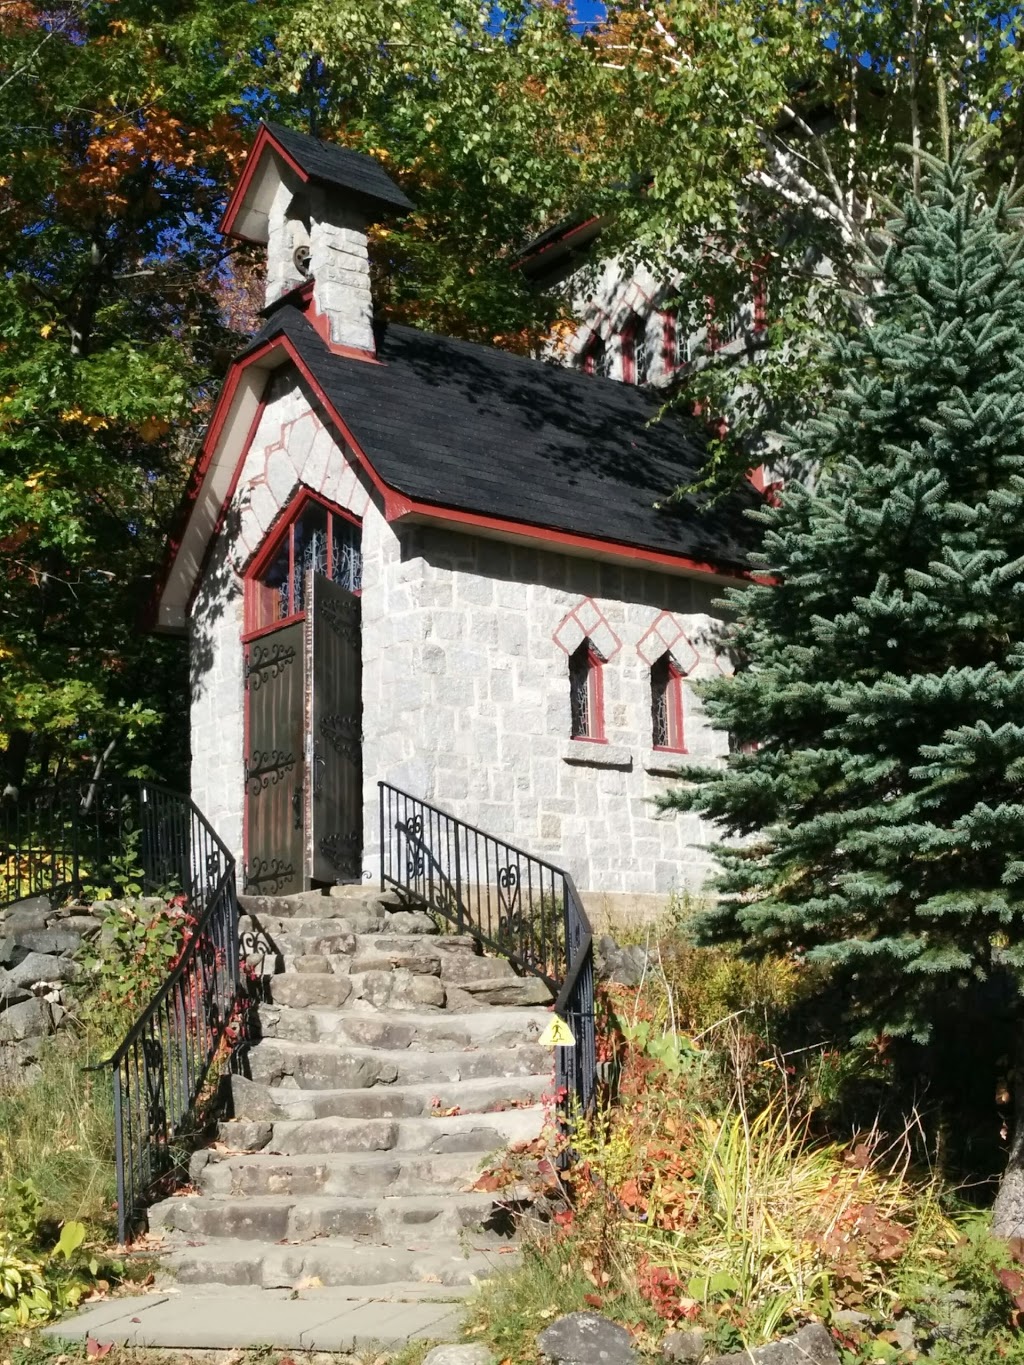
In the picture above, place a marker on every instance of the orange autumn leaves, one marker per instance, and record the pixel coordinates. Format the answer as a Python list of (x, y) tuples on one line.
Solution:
[(126, 143)]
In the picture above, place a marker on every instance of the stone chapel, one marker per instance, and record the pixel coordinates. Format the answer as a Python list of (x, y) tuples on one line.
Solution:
[(408, 558)]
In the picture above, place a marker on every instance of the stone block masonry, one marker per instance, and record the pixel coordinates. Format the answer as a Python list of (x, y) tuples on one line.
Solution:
[(465, 645)]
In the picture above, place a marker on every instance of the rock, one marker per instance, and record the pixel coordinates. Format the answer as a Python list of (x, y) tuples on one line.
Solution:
[(20, 918), (36, 967), (684, 1345), (459, 1355), (30, 1019), (904, 1329), (515, 990), (48, 940), (626, 966), (410, 922), (10, 992), (812, 1345), (586, 1339), (851, 1317), (32, 904), (79, 924), (10, 953)]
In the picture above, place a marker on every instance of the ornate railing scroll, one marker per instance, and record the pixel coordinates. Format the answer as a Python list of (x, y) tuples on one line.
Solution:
[(511, 901), (112, 837)]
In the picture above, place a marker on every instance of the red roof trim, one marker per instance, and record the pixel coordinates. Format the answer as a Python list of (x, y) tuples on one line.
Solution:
[(397, 505), (400, 506), (263, 137), (565, 238)]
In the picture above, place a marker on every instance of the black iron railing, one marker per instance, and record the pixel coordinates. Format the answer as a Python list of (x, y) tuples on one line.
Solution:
[(125, 839), (90, 838), (514, 903)]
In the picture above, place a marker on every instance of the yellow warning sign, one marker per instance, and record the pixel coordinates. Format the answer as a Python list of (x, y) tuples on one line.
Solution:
[(557, 1034)]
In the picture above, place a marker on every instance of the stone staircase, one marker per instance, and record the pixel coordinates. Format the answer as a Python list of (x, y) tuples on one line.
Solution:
[(391, 1061)]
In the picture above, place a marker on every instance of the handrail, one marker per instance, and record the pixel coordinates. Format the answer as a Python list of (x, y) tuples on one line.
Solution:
[(511, 901), (104, 835)]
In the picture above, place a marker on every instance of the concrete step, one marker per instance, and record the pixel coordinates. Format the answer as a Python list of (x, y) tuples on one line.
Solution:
[(337, 1261), (441, 1135), (326, 1066), (281, 1218), (343, 1319), (402, 1028), (341, 1173), (255, 1102)]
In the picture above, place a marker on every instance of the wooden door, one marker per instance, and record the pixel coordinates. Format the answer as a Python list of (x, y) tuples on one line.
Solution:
[(274, 763), (337, 738)]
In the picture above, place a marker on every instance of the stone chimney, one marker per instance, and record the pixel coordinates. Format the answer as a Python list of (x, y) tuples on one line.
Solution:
[(312, 203)]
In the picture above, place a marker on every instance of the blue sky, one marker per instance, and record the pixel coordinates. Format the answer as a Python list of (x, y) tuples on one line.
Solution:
[(589, 10)]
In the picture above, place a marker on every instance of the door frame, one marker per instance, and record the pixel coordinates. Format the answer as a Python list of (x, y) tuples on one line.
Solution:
[(280, 529)]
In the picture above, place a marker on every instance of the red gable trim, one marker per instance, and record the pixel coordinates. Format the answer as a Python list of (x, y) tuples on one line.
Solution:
[(397, 505), (263, 138)]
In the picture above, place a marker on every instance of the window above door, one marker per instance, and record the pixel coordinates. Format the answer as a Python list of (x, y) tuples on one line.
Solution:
[(314, 538)]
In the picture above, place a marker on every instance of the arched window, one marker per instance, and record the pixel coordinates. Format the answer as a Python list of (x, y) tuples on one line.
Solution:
[(636, 352), (314, 539), (586, 693), (667, 705)]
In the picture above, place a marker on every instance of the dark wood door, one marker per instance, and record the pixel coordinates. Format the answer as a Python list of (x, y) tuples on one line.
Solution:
[(337, 723), (274, 763)]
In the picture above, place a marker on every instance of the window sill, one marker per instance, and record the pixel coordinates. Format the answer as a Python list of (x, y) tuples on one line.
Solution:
[(589, 753), (664, 762)]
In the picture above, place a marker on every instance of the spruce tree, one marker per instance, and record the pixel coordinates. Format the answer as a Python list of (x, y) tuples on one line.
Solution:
[(878, 704)]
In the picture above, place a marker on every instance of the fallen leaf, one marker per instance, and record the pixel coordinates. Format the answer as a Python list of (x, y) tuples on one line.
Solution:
[(95, 1351)]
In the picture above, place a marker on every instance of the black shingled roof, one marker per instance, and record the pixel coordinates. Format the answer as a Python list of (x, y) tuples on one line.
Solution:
[(477, 429), (329, 164)]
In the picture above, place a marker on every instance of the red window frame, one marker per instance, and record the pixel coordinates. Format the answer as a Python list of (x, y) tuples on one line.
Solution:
[(627, 353), (595, 696), (257, 593), (674, 712)]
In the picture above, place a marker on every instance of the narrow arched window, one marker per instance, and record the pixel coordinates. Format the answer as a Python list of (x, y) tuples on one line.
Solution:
[(636, 352), (315, 538), (586, 696), (596, 359), (667, 705)]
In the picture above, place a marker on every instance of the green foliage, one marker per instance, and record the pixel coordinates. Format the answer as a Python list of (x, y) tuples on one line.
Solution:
[(57, 1134), (880, 682), (137, 946), (39, 1279)]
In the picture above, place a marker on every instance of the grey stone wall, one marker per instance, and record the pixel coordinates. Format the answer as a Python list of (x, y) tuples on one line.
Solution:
[(465, 676), (466, 688)]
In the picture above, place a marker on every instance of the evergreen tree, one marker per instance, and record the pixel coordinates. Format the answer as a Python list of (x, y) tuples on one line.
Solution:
[(878, 704)]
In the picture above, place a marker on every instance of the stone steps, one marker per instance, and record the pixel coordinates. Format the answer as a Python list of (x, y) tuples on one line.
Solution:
[(485, 1095), (476, 1133), (340, 1173), (326, 1066), (342, 1164), (280, 1218), (333, 1261), (433, 1032)]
